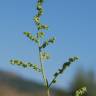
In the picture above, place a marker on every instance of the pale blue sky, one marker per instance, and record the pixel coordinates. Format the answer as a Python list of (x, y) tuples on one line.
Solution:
[(72, 22)]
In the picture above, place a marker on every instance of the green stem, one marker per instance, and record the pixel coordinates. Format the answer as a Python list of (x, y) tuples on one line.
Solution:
[(52, 82), (43, 74), (42, 68), (48, 92)]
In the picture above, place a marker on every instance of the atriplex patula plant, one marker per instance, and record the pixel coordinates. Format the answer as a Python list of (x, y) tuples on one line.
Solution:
[(43, 55)]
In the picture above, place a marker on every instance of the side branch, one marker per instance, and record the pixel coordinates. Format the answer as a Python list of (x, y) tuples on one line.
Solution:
[(61, 70)]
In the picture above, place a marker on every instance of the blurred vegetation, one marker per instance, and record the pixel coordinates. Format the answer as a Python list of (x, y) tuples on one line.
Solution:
[(87, 79), (13, 85)]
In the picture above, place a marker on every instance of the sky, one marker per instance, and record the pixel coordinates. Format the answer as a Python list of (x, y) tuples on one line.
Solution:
[(72, 22)]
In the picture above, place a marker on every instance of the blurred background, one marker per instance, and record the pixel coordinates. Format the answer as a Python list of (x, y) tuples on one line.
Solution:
[(73, 23)]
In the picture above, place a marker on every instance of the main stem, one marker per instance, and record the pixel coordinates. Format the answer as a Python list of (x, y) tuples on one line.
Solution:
[(43, 74)]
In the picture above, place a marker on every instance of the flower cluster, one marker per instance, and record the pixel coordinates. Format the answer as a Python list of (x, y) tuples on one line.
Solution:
[(40, 34), (44, 56), (81, 91), (37, 16), (61, 70), (65, 65), (25, 65), (31, 37), (47, 42)]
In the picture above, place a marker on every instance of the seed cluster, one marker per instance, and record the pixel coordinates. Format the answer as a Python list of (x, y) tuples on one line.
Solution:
[(37, 16), (31, 37), (81, 91), (25, 65), (61, 70), (47, 42)]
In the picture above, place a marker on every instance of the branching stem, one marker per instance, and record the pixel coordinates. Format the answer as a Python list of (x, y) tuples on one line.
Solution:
[(52, 82), (43, 74)]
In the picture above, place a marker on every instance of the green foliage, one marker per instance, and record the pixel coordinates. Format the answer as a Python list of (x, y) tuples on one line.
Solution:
[(84, 78)]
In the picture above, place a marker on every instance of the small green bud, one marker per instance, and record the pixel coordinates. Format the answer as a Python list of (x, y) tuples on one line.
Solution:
[(40, 27), (31, 37), (52, 40), (73, 59), (27, 33), (40, 12), (47, 42), (45, 56), (54, 81), (39, 7), (36, 19), (40, 34), (56, 74), (81, 91), (60, 71), (25, 65), (29, 64)]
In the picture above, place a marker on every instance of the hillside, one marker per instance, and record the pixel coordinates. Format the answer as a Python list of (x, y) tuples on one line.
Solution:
[(13, 85)]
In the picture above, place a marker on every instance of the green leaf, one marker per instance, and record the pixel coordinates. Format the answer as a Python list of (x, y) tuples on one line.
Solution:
[(39, 6)]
